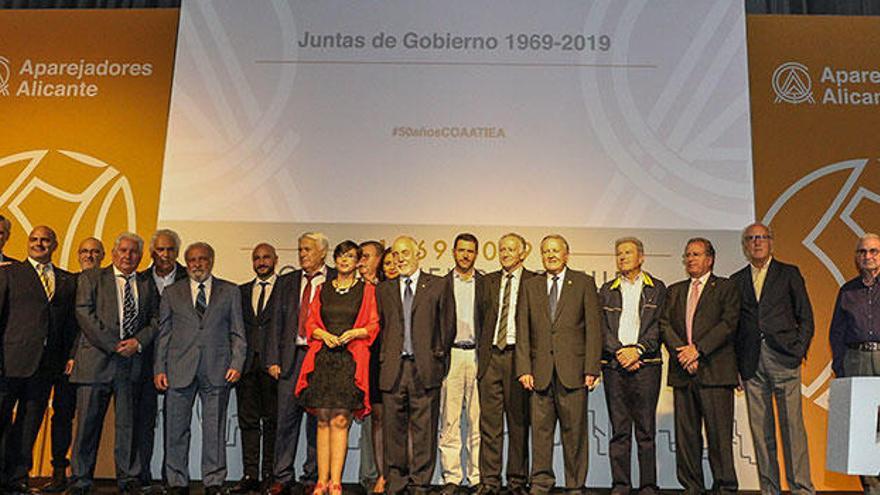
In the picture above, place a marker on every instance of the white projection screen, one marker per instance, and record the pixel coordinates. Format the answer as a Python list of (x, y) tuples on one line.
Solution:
[(365, 120)]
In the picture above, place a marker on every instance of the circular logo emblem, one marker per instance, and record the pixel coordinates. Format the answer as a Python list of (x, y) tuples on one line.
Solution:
[(4, 76), (792, 83)]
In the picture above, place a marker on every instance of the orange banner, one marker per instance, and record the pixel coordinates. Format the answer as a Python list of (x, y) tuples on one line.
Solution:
[(84, 98), (815, 102)]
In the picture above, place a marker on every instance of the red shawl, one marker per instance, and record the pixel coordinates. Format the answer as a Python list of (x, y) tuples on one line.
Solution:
[(368, 317)]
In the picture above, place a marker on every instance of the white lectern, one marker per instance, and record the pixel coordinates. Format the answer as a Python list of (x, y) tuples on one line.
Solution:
[(853, 429)]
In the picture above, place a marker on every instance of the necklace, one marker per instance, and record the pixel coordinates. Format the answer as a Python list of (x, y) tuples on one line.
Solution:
[(342, 290)]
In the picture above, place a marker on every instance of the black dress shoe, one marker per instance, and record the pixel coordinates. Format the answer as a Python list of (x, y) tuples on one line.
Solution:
[(245, 485), (57, 484), (16, 488), (449, 489), (213, 490), (78, 490), (178, 490)]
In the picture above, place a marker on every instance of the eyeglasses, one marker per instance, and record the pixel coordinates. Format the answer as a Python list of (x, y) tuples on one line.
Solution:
[(751, 238), (865, 252)]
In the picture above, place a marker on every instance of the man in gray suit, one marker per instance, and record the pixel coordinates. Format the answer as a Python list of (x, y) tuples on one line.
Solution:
[(200, 349), (558, 346), (116, 312)]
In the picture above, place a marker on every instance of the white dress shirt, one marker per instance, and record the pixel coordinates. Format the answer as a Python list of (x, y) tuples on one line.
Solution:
[(465, 293), (255, 297), (511, 313), (630, 320), (162, 282), (194, 290), (50, 271), (559, 282), (319, 278)]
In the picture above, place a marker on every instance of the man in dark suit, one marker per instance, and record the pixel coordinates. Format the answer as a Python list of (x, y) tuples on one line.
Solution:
[(90, 254), (285, 349), (501, 395), (200, 350), (558, 346), (417, 334), (36, 320), (697, 326), (459, 390), (5, 231), (632, 364), (162, 273), (257, 392), (773, 334), (117, 312)]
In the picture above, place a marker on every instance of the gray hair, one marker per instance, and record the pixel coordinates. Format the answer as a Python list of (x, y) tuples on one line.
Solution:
[(867, 236), (318, 237), (558, 237), (131, 236), (745, 242), (634, 240), (167, 233), (514, 235), (200, 244)]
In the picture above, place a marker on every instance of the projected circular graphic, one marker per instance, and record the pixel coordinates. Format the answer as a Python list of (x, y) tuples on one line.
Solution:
[(71, 192)]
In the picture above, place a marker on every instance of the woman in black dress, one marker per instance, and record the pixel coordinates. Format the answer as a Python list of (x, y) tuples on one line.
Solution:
[(334, 381)]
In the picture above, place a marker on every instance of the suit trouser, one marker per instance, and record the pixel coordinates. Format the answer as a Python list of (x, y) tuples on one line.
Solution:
[(146, 405), (631, 398), (569, 407), (502, 395), (179, 402), (459, 392), (257, 402), (697, 406), (92, 400), (63, 409), (290, 415), (367, 472), (864, 363), (772, 379), (410, 409), (30, 396)]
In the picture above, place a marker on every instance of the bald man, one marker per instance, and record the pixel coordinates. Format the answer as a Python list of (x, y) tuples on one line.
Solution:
[(417, 322), (257, 392), (37, 315)]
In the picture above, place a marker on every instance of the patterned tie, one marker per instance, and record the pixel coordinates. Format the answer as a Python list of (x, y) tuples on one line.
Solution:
[(129, 309), (554, 296), (43, 269), (501, 340), (693, 299), (304, 303), (201, 300), (262, 299), (407, 317)]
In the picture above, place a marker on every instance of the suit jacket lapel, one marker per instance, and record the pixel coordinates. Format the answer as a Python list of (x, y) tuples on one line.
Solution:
[(420, 292), (566, 291), (111, 293), (247, 301), (769, 280)]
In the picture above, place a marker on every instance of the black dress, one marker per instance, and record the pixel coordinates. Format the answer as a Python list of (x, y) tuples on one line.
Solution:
[(331, 384)]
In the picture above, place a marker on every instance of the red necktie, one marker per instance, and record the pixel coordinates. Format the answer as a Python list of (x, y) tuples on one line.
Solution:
[(304, 304), (693, 299)]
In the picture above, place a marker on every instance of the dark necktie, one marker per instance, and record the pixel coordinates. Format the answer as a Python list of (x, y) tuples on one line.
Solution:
[(262, 299), (304, 303), (129, 309), (501, 340), (554, 296), (201, 300), (407, 317)]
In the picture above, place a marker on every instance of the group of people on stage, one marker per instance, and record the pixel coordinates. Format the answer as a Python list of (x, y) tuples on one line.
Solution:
[(412, 355)]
